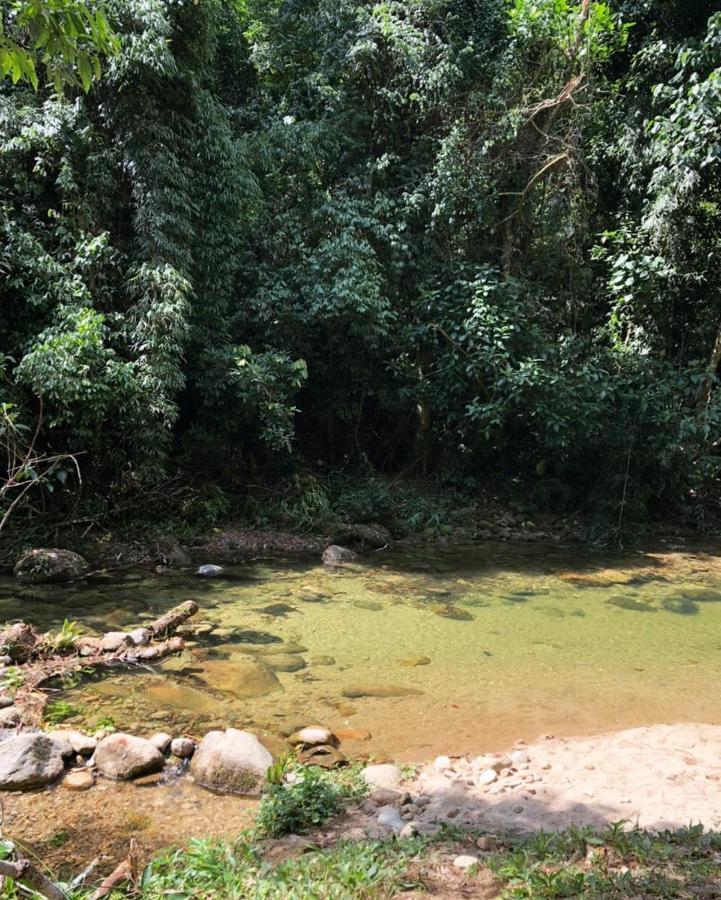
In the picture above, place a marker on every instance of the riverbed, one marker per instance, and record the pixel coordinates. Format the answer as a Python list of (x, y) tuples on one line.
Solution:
[(455, 650)]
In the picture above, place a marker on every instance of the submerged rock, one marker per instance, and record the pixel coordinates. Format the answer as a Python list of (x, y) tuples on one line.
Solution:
[(183, 748), (208, 570), (30, 760), (231, 761), (632, 604), (372, 605), (415, 661), (334, 555), (356, 691), (682, 606), (124, 756), (47, 565), (286, 662), (79, 780), (240, 678), (452, 612)]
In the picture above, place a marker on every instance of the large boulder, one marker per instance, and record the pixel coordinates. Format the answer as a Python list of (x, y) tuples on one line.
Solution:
[(231, 761), (124, 756), (45, 564), (30, 760), (337, 556), (18, 641)]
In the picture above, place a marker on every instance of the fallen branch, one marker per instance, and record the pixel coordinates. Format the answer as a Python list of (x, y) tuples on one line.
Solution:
[(168, 623), (126, 871), (24, 871)]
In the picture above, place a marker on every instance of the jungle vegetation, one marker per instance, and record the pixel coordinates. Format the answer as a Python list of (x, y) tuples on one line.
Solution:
[(247, 245)]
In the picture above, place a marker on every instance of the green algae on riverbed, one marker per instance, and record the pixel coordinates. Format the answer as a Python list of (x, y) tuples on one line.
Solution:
[(523, 640)]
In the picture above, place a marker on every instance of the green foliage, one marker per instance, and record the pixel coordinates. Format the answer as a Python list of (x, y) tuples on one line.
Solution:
[(299, 799), (11, 679), (65, 639), (58, 711), (280, 246), (67, 38)]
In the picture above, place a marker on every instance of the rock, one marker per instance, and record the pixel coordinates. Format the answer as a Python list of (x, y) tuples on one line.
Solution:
[(370, 605), (322, 660), (366, 537), (385, 796), (415, 661), (124, 756), (442, 764), (113, 641), (486, 843), (334, 555), (389, 817), (46, 565), (171, 553), (355, 691), (518, 757), (352, 734), (30, 760), (9, 717), (208, 570), (78, 780), (139, 637), (182, 747), (152, 780), (286, 662), (18, 641), (384, 775), (324, 755), (241, 678), (88, 646), (465, 862), (5, 701), (161, 741), (313, 735), (80, 743), (409, 830), (231, 761), (487, 776)]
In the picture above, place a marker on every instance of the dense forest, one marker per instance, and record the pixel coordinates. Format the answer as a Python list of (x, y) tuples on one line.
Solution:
[(254, 251)]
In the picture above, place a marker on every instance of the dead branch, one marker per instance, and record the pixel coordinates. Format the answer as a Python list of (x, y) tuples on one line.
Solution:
[(24, 871), (168, 623), (128, 870)]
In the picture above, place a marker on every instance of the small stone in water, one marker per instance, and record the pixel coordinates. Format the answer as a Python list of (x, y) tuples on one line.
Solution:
[(208, 570), (182, 747), (79, 780)]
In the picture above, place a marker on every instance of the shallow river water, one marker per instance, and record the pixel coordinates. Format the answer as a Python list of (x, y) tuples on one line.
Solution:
[(431, 651), (434, 650)]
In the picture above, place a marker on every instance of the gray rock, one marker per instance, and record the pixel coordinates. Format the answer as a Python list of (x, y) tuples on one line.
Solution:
[(9, 717), (139, 637), (208, 570), (47, 565), (124, 756), (80, 743), (161, 741), (409, 830), (29, 760), (465, 861), (487, 776), (389, 817), (286, 662), (113, 641), (385, 796), (5, 700), (231, 761), (183, 748), (334, 555), (384, 775)]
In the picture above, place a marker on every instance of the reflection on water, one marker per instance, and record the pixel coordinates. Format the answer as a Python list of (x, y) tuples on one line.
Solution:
[(438, 650)]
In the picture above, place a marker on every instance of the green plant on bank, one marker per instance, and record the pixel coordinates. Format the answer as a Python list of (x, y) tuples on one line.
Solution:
[(57, 711), (300, 798), (104, 723), (65, 639), (11, 679)]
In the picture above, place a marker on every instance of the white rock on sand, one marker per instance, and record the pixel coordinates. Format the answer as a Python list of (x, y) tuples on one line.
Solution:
[(663, 776)]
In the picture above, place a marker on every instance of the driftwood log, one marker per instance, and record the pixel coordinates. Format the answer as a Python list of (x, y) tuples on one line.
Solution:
[(39, 663)]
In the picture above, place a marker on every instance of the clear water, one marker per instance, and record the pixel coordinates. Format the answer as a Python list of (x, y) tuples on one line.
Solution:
[(457, 650)]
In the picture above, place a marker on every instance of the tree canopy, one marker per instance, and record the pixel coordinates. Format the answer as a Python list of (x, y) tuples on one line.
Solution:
[(467, 240)]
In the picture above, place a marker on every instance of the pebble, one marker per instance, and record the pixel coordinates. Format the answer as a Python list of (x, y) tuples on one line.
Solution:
[(442, 764), (384, 775), (182, 747), (518, 757), (465, 861), (488, 776), (409, 830), (385, 796)]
